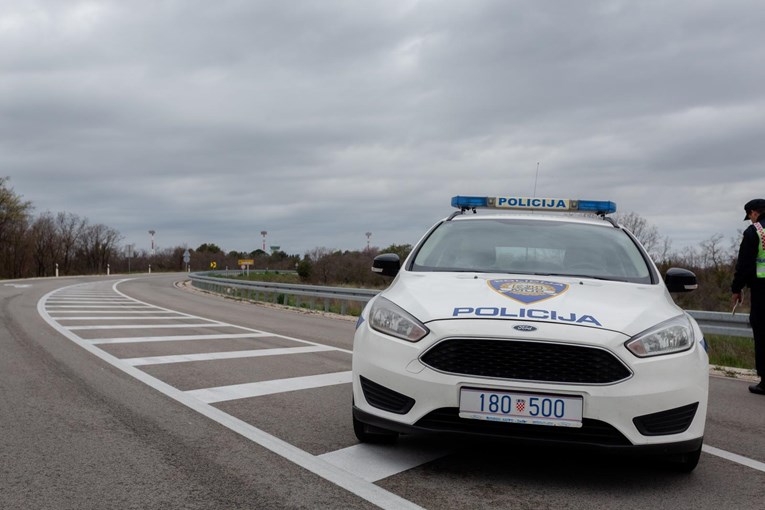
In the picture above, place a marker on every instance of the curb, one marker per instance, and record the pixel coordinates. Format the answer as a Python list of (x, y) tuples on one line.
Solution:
[(743, 374)]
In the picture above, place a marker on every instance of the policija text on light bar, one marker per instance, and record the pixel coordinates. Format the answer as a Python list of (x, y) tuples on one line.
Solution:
[(535, 204)]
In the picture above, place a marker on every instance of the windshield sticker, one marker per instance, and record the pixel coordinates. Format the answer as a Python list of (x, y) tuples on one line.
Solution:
[(528, 291)]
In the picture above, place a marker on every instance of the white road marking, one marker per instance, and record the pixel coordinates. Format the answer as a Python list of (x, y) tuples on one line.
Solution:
[(352, 468), (117, 306), (114, 318), (738, 459), (210, 356), (131, 311), (153, 326), (354, 484), (375, 462), (86, 301), (258, 389), (172, 338)]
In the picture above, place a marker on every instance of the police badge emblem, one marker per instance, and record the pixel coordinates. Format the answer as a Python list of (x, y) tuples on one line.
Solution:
[(528, 291)]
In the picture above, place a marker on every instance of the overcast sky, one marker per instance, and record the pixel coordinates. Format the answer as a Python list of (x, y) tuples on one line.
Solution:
[(211, 121)]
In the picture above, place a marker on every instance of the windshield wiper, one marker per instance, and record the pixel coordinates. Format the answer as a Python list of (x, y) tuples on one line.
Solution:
[(574, 275)]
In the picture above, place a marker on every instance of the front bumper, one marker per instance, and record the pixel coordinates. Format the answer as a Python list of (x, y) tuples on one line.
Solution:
[(529, 434), (627, 414)]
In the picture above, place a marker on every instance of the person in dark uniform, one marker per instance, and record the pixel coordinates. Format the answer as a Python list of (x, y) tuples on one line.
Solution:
[(750, 272)]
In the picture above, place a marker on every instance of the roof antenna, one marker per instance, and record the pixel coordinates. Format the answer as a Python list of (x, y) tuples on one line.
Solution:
[(535, 180)]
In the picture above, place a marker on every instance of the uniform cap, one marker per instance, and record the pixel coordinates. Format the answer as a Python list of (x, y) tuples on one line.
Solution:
[(758, 204)]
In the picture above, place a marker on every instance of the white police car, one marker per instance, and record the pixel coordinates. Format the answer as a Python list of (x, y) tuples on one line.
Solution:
[(539, 327)]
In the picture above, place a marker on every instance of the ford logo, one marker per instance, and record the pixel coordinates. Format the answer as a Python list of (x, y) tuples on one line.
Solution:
[(524, 327)]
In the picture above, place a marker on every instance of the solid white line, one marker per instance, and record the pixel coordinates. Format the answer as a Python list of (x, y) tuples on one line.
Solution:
[(172, 338), (212, 356), (738, 459), (258, 389), (375, 462)]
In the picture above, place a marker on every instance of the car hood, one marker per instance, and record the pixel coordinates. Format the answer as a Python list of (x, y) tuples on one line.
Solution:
[(628, 308)]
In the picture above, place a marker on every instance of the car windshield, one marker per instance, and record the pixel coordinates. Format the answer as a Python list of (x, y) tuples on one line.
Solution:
[(533, 247)]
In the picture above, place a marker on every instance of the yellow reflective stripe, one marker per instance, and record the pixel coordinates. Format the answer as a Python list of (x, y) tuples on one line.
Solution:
[(760, 262)]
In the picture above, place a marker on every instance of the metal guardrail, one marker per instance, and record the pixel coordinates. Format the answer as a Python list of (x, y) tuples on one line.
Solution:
[(723, 323), (331, 298), (340, 298)]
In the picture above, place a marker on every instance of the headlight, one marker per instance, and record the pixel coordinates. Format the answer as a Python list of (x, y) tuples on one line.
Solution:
[(390, 319), (674, 335)]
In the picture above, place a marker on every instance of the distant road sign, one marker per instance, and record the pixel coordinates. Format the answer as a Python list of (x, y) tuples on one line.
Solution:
[(246, 262), (213, 265)]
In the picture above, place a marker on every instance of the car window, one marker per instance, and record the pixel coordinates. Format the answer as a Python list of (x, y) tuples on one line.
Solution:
[(518, 246)]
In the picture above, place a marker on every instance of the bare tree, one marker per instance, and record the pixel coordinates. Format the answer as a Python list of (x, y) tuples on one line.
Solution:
[(69, 230), (45, 244), (321, 264), (647, 234), (713, 255), (98, 245)]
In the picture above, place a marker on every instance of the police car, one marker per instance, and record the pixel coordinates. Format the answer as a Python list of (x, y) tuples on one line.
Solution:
[(528, 324)]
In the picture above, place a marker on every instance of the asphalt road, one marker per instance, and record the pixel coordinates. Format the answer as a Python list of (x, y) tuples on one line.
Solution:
[(146, 395)]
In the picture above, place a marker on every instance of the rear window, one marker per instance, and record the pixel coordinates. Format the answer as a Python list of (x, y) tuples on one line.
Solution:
[(531, 247)]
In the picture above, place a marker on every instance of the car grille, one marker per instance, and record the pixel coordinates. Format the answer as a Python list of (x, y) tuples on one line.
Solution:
[(529, 361), (592, 432), (673, 421), (384, 398)]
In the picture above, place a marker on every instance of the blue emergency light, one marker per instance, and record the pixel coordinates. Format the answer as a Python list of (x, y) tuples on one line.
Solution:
[(535, 204)]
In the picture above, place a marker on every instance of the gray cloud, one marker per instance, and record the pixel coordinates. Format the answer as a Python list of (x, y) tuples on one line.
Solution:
[(320, 121)]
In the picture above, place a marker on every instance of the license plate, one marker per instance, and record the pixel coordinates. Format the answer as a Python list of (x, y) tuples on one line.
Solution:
[(513, 407)]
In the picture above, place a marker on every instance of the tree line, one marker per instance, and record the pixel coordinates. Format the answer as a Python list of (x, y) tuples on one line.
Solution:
[(66, 244)]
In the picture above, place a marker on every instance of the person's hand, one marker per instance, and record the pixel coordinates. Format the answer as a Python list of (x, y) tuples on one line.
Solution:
[(736, 299)]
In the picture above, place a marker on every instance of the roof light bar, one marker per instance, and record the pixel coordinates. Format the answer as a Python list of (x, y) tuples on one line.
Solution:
[(535, 204)]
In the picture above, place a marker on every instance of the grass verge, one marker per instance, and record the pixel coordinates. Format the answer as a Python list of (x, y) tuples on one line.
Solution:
[(730, 351)]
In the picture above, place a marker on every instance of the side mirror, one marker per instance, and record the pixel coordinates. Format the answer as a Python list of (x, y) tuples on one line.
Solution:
[(386, 264), (680, 280)]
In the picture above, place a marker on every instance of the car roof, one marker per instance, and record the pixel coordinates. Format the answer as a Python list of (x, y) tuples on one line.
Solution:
[(557, 217)]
